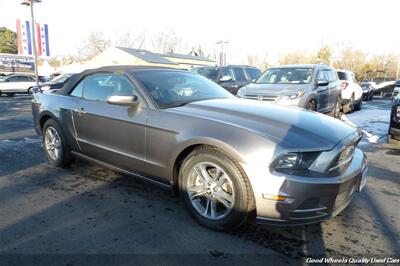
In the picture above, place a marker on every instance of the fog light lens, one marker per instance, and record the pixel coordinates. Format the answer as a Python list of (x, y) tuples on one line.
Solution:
[(274, 197)]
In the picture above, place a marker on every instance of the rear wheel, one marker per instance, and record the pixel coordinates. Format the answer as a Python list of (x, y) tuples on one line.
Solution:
[(55, 145), (312, 105), (10, 94), (30, 91), (358, 106), (215, 190)]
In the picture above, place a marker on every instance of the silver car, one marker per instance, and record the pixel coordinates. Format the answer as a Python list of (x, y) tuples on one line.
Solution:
[(230, 159), (313, 87)]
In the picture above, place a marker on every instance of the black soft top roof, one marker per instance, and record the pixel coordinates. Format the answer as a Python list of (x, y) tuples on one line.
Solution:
[(76, 78)]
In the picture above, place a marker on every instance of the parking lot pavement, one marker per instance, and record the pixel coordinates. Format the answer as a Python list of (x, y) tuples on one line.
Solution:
[(85, 209)]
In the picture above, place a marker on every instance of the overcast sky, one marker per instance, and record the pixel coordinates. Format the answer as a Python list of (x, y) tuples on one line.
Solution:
[(252, 27)]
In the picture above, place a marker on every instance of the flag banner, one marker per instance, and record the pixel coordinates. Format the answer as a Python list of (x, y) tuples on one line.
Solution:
[(25, 38)]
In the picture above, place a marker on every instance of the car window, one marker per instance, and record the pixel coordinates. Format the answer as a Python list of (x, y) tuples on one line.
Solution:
[(77, 91), (208, 72), (100, 87), (239, 74), (334, 75), (324, 75), (13, 79), (253, 73), (176, 88), (286, 75), (225, 72)]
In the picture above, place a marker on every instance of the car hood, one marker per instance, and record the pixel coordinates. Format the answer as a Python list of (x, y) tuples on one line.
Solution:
[(289, 127), (271, 89)]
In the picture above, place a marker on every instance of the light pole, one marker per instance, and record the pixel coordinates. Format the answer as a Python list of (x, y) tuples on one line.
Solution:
[(30, 3), (222, 57)]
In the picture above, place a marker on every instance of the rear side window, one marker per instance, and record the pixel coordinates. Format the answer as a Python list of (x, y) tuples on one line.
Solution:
[(253, 73), (77, 92), (225, 72), (344, 76), (239, 74)]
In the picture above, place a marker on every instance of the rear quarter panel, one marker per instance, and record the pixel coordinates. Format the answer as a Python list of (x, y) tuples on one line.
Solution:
[(59, 108)]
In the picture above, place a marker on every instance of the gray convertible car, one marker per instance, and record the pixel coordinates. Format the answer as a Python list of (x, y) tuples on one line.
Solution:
[(231, 159)]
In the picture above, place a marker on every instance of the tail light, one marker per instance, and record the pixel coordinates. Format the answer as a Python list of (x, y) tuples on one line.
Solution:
[(344, 85)]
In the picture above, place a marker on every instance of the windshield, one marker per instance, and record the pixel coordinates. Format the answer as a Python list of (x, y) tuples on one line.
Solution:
[(208, 72), (253, 73), (174, 88), (286, 76), (61, 78)]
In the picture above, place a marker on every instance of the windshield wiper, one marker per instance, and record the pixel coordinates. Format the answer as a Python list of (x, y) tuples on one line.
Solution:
[(178, 104)]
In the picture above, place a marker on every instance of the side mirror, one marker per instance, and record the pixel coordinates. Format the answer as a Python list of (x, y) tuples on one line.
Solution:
[(322, 83), (225, 78), (123, 100)]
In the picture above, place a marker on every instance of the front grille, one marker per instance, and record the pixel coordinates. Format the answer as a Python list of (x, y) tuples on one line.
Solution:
[(268, 98)]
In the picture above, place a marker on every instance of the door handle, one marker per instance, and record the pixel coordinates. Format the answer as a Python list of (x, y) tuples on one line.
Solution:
[(80, 111)]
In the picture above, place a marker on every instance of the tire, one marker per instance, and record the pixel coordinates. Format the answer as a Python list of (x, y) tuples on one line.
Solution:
[(371, 97), (311, 105), (10, 94), (63, 156), (30, 92), (393, 141), (235, 189), (349, 107), (336, 112), (358, 106)]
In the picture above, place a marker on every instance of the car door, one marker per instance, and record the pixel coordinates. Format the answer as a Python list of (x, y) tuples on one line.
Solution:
[(9, 84), (111, 133), (334, 89), (322, 91), (227, 80)]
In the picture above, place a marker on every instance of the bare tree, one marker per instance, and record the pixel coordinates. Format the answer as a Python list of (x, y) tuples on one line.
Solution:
[(166, 42), (94, 45), (130, 40)]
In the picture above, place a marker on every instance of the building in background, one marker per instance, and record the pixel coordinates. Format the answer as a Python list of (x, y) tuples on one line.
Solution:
[(131, 56)]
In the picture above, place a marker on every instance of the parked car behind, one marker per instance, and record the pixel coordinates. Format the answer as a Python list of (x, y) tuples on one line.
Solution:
[(394, 126), (396, 90), (368, 90), (313, 87), (17, 83), (351, 92), (55, 84), (230, 159), (231, 77)]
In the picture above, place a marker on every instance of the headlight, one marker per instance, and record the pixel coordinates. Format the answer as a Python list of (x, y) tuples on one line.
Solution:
[(398, 111), (240, 93), (295, 161), (45, 88), (291, 95)]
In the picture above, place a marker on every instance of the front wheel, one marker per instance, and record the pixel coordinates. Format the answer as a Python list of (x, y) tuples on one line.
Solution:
[(336, 113), (215, 190), (55, 145)]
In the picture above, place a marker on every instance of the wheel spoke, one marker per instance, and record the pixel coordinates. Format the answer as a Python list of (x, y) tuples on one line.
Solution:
[(221, 181), (213, 208), (225, 198), (207, 207), (218, 174), (196, 195)]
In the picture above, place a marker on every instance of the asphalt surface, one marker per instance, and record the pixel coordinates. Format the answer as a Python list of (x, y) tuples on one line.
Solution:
[(86, 209)]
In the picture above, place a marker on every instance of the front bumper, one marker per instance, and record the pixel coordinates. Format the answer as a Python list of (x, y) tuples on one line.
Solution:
[(309, 199)]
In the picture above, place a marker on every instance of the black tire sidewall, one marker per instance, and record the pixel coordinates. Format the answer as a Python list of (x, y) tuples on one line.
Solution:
[(239, 213), (64, 158)]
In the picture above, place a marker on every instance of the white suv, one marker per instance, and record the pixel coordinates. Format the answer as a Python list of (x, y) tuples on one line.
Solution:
[(351, 92), (17, 83)]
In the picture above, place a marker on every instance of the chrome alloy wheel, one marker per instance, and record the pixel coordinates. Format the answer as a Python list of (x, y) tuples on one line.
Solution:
[(52, 143), (210, 191)]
